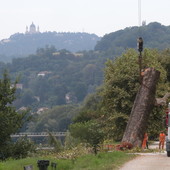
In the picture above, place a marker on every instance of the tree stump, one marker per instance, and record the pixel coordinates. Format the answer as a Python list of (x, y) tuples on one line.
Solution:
[(143, 105)]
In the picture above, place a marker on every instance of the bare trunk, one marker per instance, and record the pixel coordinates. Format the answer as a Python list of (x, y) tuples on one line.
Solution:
[(143, 105)]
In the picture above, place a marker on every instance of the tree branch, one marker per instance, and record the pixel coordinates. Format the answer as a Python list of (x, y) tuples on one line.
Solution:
[(162, 101)]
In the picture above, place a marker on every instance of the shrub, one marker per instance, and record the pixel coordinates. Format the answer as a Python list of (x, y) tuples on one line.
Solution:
[(22, 148)]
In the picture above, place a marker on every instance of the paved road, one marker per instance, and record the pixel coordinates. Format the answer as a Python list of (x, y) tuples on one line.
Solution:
[(149, 161)]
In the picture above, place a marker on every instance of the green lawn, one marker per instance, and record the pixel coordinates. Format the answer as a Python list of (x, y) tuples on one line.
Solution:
[(102, 161)]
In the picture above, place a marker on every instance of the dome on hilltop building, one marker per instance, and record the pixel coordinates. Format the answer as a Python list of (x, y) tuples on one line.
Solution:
[(32, 29), (32, 25)]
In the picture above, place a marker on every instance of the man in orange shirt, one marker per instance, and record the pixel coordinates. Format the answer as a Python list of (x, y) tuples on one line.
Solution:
[(161, 140)]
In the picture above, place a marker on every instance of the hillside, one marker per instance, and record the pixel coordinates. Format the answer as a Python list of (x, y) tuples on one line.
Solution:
[(154, 35), (20, 45), (53, 77)]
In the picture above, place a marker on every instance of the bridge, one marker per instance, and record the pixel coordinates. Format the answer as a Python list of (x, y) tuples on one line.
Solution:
[(38, 134)]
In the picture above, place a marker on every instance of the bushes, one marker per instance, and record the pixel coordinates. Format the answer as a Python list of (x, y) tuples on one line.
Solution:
[(22, 148)]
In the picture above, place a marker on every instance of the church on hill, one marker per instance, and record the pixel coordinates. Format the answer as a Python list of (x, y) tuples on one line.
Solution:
[(32, 29)]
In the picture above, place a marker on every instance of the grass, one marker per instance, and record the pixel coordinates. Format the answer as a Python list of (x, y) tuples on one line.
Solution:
[(102, 161)]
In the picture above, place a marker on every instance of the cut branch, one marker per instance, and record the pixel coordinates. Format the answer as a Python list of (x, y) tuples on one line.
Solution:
[(162, 101)]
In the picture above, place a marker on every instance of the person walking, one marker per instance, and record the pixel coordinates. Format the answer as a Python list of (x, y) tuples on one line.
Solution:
[(161, 140)]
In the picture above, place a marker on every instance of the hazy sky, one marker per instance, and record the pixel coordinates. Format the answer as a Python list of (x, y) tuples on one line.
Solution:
[(92, 16)]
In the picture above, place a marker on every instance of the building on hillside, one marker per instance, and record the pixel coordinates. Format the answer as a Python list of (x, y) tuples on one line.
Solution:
[(43, 73), (42, 109), (18, 86), (32, 29), (70, 98)]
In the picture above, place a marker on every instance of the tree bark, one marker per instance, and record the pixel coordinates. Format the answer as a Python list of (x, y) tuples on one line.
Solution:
[(143, 105)]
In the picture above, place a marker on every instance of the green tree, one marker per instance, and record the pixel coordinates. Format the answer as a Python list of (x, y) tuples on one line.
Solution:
[(90, 132), (120, 88), (27, 97), (70, 142), (11, 121), (56, 143), (22, 148), (113, 101)]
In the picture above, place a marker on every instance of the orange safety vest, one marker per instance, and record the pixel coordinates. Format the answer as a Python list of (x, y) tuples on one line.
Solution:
[(162, 137), (145, 139)]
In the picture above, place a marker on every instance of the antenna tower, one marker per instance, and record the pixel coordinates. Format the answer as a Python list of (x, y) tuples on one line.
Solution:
[(139, 12)]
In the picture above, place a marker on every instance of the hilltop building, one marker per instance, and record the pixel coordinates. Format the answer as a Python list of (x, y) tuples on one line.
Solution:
[(32, 29)]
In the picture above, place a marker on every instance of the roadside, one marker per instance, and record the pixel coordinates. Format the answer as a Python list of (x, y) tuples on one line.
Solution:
[(149, 161)]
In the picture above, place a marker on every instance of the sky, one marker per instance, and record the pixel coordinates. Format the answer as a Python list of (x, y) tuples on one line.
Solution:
[(92, 16)]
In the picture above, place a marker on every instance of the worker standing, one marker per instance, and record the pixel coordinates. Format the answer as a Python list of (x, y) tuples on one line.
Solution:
[(161, 140), (145, 141)]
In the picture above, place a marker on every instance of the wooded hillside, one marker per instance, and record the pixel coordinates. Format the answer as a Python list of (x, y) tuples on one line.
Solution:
[(52, 77), (22, 45)]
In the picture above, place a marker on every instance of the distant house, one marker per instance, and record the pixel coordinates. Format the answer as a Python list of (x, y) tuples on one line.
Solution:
[(42, 109), (18, 86), (70, 98), (43, 73), (78, 54), (67, 98)]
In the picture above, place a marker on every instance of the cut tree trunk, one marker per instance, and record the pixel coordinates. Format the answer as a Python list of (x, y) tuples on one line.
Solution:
[(143, 105)]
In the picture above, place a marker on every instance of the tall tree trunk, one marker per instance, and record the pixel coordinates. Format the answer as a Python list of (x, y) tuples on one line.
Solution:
[(143, 105)]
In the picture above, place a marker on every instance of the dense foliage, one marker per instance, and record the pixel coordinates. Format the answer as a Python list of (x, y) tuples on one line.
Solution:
[(90, 132), (21, 148), (70, 77), (56, 119), (154, 34), (65, 74), (121, 85), (117, 94), (11, 121), (51, 78)]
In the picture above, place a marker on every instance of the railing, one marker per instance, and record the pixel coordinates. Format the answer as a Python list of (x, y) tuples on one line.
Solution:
[(38, 134)]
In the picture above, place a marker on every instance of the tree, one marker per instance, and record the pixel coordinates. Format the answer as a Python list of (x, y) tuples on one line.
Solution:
[(27, 98), (90, 132), (70, 142), (120, 88), (56, 143), (56, 119), (113, 101), (22, 148), (11, 121)]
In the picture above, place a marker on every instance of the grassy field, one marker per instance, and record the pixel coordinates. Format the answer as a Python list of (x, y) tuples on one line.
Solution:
[(102, 161)]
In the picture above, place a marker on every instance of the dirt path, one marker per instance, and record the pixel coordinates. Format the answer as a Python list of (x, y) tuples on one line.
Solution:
[(148, 162)]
